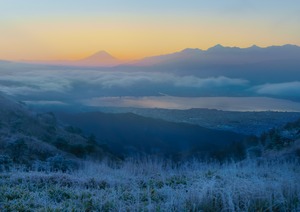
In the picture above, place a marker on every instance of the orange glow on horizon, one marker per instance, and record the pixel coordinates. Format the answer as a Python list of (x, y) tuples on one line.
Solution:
[(130, 40), (72, 30)]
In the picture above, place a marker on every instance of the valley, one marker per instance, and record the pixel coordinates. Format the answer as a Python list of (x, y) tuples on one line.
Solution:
[(248, 123)]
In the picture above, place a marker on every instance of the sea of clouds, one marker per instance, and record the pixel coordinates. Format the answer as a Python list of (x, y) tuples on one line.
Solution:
[(139, 87)]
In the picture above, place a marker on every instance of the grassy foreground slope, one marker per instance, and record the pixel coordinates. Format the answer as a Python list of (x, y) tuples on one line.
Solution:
[(151, 185)]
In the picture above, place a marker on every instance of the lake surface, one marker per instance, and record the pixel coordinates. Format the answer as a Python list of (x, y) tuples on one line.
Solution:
[(220, 103)]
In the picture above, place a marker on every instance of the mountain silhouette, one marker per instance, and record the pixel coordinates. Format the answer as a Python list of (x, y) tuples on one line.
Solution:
[(101, 58), (219, 54), (215, 58)]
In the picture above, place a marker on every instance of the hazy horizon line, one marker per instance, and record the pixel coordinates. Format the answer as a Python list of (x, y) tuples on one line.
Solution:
[(68, 59)]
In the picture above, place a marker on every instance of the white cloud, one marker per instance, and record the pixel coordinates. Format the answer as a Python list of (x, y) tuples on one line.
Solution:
[(35, 81), (279, 89), (26, 82), (125, 79), (192, 81), (44, 103)]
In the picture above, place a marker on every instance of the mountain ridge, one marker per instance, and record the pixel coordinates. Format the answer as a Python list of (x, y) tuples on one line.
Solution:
[(216, 54), (223, 54)]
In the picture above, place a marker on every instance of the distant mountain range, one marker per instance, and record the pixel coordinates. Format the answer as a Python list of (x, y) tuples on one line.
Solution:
[(226, 55), (274, 64), (217, 55)]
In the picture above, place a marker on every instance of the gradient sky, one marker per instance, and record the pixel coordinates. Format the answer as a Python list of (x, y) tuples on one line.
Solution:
[(72, 29)]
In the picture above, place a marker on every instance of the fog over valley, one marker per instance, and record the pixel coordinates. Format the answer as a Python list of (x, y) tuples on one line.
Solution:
[(194, 77)]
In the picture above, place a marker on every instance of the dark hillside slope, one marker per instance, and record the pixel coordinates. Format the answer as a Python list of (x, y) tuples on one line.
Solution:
[(282, 142), (128, 134), (27, 137)]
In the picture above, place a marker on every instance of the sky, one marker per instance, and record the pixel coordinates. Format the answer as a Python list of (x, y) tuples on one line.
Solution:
[(133, 29)]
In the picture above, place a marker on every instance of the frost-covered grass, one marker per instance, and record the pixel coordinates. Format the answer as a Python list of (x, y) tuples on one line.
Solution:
[(152, 185)]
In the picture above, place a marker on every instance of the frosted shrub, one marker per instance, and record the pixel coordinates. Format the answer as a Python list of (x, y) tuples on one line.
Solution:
[(5, 163), (59, 163), (155, 185)]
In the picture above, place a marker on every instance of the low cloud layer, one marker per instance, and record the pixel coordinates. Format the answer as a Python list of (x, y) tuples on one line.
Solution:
[(286, 89), (72, 86), (30, 82), (221, 81), (65, 81)]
